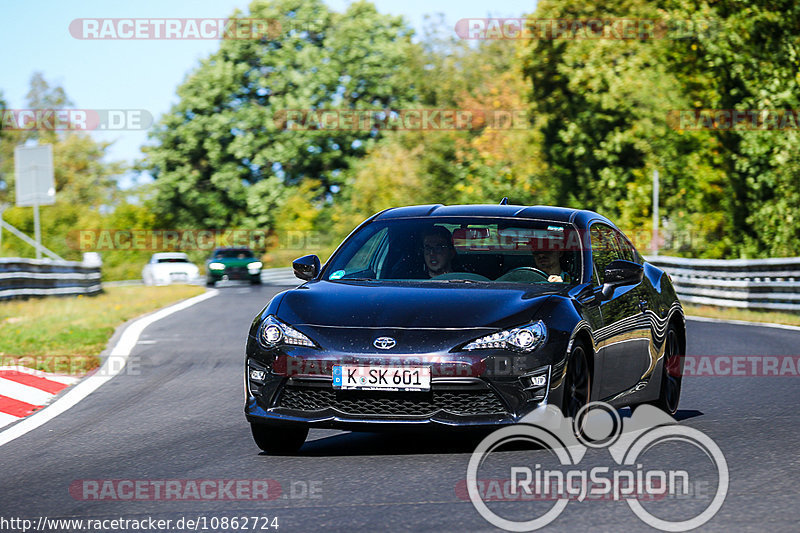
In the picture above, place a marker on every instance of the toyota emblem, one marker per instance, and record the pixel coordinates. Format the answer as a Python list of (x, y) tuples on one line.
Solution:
[(384, 343)]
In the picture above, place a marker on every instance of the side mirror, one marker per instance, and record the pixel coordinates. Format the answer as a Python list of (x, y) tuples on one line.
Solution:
[(306, 267), (619, 273)]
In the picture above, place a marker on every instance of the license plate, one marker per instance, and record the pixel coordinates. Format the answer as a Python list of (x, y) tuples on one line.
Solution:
[(398, 378)]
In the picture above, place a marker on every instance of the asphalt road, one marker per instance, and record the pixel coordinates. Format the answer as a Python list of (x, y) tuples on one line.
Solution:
[(176, 414)]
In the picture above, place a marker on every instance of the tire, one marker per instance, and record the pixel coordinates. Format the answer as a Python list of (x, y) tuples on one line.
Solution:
[(671, 376), (577, 381), (255, 281), (279, 440), (210, 283)]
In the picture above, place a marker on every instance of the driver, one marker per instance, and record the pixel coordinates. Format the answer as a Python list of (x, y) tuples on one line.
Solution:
[(438, 250), (549, 262)]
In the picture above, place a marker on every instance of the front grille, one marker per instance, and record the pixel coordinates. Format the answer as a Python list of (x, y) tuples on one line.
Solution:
[(377, 403)]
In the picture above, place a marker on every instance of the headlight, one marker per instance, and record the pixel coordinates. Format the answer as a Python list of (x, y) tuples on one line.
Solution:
[(274, 332), (522, 339), (216, 266), (255, 265)]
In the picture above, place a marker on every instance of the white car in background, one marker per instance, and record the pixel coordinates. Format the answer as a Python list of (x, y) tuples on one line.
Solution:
[(169, 267)]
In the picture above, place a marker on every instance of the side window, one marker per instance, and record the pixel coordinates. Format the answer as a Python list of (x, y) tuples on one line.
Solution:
[(605, 248), (628, 251), (361, 260)]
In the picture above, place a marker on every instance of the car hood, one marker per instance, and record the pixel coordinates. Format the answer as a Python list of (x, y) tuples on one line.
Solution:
[(174, 267), (234, 261), (426, 305)]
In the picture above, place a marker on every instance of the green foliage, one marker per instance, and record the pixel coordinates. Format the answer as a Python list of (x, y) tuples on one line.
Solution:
[(598, 118), (602, 107), (751, 64), (229, 132), (87, 194)]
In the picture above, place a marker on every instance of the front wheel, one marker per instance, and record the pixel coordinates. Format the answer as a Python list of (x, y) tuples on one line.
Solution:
[(577, 381), (671, 374), (276, 440)]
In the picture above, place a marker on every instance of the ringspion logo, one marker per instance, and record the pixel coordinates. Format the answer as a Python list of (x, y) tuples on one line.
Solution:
[(544, 492)]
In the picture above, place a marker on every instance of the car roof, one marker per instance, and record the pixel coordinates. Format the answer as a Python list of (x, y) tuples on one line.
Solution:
[(169, 255), (579, 217)]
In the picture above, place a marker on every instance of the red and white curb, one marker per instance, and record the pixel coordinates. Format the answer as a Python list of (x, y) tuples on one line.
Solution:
[(24, 391), (119, 354)]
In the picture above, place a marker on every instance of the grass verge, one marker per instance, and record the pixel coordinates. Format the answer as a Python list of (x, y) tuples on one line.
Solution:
[(748, 315), (66, 335)]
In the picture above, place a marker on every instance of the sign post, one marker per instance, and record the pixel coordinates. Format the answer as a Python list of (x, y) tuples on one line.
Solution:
[(33, 167)]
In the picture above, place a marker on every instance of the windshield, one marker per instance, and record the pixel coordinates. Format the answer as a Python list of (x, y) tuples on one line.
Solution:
[(172, 260), (233, 254), (460, 249)]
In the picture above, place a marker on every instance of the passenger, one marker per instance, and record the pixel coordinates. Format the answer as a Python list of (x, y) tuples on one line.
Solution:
[(549, 262), (438, 249)]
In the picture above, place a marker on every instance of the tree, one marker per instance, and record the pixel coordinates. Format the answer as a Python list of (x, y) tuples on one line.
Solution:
[(86, 184), (750, 64), (229, 131)]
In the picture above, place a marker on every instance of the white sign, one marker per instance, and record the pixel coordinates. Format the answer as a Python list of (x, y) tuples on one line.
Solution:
[(33, 166)]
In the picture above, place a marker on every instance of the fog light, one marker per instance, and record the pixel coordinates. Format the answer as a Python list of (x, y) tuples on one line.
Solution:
[(257, 375), (538, 381)]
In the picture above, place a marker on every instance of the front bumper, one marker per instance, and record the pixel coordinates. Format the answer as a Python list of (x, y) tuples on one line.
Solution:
[(471, 402), (233, 273)]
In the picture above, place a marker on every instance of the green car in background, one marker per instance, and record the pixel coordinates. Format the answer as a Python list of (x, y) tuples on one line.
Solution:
[(233, 263)]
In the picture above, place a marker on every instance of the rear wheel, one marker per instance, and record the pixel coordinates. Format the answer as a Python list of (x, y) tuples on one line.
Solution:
[(577, 381), (671, 375), (278, 440), (210, 283)]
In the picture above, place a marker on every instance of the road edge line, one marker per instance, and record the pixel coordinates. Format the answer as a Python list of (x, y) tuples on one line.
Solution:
[(742, 322), (120, 352)]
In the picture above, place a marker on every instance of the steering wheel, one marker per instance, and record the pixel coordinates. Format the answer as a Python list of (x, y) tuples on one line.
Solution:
[(469, 276), (523, 274)]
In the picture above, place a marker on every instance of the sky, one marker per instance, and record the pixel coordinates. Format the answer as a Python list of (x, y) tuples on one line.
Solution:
[(144, 74)]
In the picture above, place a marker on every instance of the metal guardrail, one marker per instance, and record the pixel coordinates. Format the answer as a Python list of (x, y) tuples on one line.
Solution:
[(772, 284), (280, 276), (30, 277)]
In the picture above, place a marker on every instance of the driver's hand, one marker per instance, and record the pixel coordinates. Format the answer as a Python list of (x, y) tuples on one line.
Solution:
[(554, 278)]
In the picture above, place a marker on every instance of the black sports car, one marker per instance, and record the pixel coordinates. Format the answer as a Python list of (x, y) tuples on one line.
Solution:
[(473, 315)]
